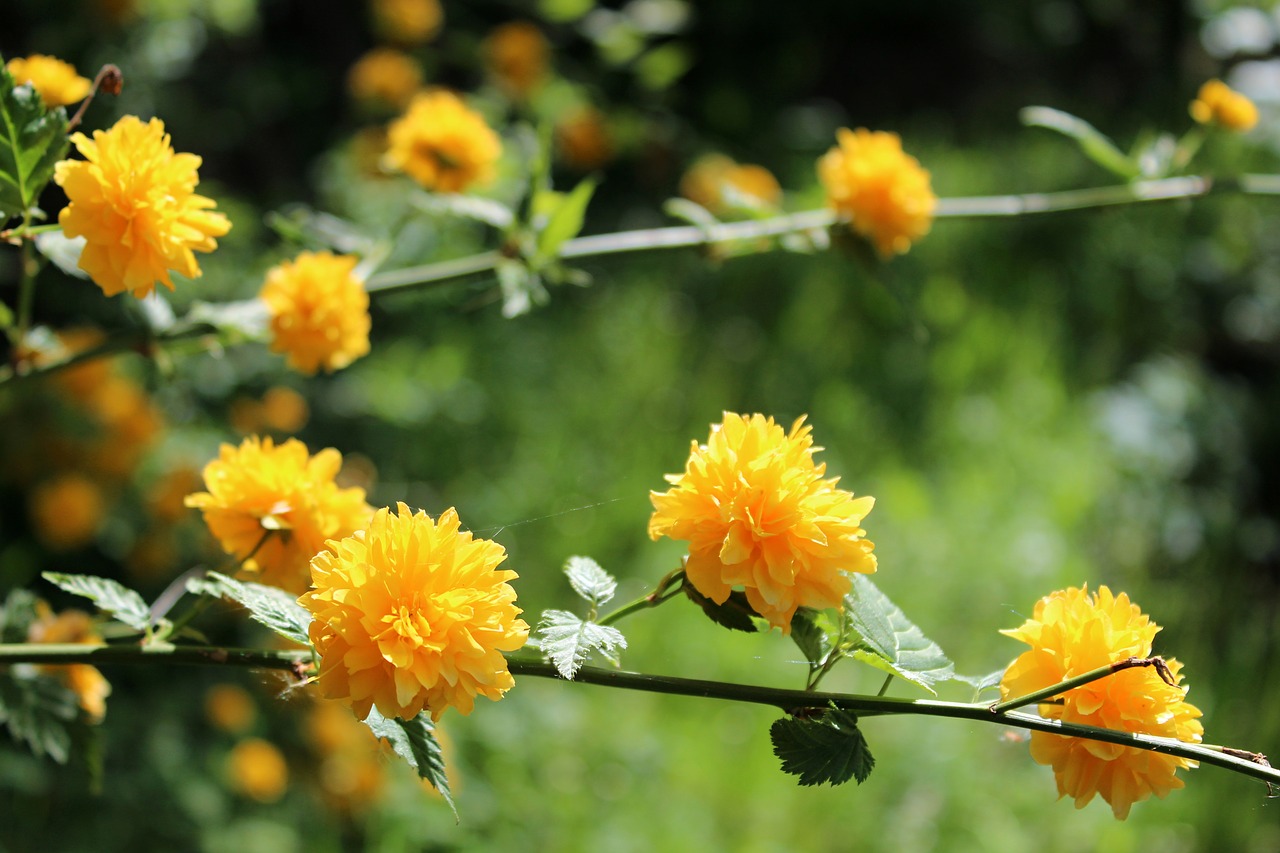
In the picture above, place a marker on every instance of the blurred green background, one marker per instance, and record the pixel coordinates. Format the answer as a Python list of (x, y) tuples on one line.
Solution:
[(1037, 402)]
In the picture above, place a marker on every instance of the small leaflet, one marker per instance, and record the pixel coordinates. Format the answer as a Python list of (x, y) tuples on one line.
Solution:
[(415, 741), (267, 605), (829, 748), (566, 640), (120, 601), (890, 641), (589, 581)]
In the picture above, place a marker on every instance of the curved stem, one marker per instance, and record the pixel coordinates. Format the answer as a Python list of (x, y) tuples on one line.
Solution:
[(661, 593), (1037, 696)]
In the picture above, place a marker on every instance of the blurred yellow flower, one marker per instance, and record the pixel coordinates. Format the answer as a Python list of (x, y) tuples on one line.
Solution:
[(384, 77), (319, 311), (128, 423), (230, 708), (442, 144), (257, 769), (407, 21), (57, 82), (67, 511), (1219, 103), (584, 140), (721, 185), (72, 626), (879, 188), (351, 759), (757, 514), (166, 499), (413, 614), (1071, 633), (516, 55), (260, 487), (133, 200)]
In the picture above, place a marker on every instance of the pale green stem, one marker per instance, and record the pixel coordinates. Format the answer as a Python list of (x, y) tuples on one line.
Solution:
[(1038, 696), (661, 593)]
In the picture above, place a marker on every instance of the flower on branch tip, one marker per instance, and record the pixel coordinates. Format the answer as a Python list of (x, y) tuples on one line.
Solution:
[(319, 311), (260, 488), (1071, 633), (85, 681), (384, 76), (879, 188), (133, 200), (759, 516), (1218, 103), (442, 144), (56, 81), (411, 614), (722, 185)]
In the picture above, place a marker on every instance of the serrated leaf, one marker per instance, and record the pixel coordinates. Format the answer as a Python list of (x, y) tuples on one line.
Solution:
[(811, 631), (121, 602), (735, 613), (1093, 143), (33, 139), (981, 683), (486, 210), (891, 642), (39, 712), (16, 616), (566, 640), (415, 741), (267, 605), (565, 221), (589, 580), (829, 748)]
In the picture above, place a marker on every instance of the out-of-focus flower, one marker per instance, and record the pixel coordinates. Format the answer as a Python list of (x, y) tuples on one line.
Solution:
[(67, 511), (260, 487), (72, 626), (407, 21), (584, 140), (134, 201), (1070, 634), (284, 409), (721, 185), (516, 55), (166, 499), (757, 514), (129, 423), (257, 769), (230, 708), (384, 77), (1218, 103), (57, 82), (879, 188), (351, 759), (413, 613), (319, 311), (442, 144)]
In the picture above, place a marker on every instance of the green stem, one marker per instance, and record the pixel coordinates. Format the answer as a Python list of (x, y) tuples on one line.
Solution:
[(102, 654), (662, 592), (1049, 692)]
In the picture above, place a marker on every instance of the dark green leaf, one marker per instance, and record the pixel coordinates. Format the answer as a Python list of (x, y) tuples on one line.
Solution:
[(1094, 144), (415, 741), (16, 616), (889, 641), (565, 220), (120, 601), (39, 711), (589, 580), (735, 613), (567, 640), (829, 748), (267, 605), (32, 139), (811, 631)]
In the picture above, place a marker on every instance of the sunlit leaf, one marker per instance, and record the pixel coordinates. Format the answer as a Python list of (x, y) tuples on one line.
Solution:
[(1093, 143), (589, 580), (565, 221), (829, 748), (121, 602), (267, 605), (486, 210), (566, 640), (415, 741), (891, 642), (33, 139), (64, 251)]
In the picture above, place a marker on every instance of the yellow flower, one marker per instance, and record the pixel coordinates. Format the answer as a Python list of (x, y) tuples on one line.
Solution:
[(407, 21), (72, 626), (1218, 102), (319, 311), (583, 139), (757, 514), (720, 185), (230, 707), (260, 486), (133, 200), (57, 82), (67, 511), (879, 188), (442, 144), (516, 56), (256, 769), (1071, 633), (384, 76), (413, 613)]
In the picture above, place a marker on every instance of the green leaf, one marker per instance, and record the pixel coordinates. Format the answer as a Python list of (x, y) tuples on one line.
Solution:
[(565, 220), (829, 748), (691, 212), (318, 230), (267, 605), (735, 613), (812, 632), (566, 640), (589, 580), (121, 602), (6, 318), (242, 320), (486, 210), (1093, 143), (32, 140), (415, 741), (981, 683), (39, 711), (64, 251), (521, 288), (891, 642), (16, 616)]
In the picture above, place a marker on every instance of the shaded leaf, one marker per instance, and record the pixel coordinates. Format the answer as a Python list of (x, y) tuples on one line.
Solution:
[(566, 641), (589, 580), (39, 712), (16, 616), (811, 631), (415, 741), (565, 220), (735, 613), (891, 642), (267, 605), (1093, 143), (33, 139), (118, 600), (829, 748)]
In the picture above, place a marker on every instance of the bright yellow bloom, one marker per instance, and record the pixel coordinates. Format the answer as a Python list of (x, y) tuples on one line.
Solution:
[(407, 21), (133, 200), (516, 55), (72, 626), (1071, 633), (67, 511), (757, 514), (1219, 103), (413, 613), (259, 487), (319, 311), (57, 82), (879, 188), (256, 769), (384, 76), (720, 185), (442, 144)]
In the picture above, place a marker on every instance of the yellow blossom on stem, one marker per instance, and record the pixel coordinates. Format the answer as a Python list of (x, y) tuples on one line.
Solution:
[(85, 681), (758, 515), (260, 487), (133, 200), (516, 55), (1071, 633), (1218, 103), (879, 188), (319, 311), (384, 76), (442, 144), (56, 81), (413, 614)]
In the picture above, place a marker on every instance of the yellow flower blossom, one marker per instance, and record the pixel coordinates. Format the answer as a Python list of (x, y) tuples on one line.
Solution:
[(319, 311), (384, 76), (260, 487), (133, 200), (72, 626), (442, 144), (257, 769), (1071, 633), (721, 185), (516, 56), (1218, 103), (757, 514), (407, 21), (413, 614), (879, 188), (67, 511), (57, 82)]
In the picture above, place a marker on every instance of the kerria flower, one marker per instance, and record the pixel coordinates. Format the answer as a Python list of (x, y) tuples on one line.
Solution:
[(879, 188), (55, 81), (72, 626), (1218, 103), (133, 200), (1070, 633), (261, 487), (412, 614), (583, 139), (516, 56), (758, 515), (407, 21), (319, 311), (384, 76), (257, 769), (442, 144), (721, 185)]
